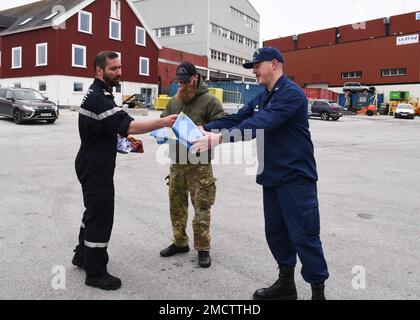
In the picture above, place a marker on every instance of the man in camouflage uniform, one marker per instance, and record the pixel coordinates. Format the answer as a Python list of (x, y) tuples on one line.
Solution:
[(189, 174)]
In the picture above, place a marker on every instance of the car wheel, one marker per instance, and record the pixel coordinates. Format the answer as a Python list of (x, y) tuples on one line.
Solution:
[(395, 116), (51, 121), (17, 117), (335, 118), (370, 113), (325, 116)]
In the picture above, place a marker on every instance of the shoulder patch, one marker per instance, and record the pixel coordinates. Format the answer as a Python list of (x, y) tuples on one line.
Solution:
[(106, 93)]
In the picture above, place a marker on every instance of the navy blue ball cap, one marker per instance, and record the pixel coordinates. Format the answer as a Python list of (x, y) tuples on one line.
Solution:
[(264, 54)]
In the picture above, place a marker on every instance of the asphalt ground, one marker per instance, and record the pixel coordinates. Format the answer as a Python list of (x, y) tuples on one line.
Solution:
[(369, 203)]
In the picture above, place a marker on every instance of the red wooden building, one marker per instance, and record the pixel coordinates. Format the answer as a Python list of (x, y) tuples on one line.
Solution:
[(50, 45)]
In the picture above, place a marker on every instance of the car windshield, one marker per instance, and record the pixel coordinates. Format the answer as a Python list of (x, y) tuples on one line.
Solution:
[(28, 95), (335, 104), (405, 107)]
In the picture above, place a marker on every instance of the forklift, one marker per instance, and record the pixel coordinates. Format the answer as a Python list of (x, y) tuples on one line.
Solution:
[(364, 104)]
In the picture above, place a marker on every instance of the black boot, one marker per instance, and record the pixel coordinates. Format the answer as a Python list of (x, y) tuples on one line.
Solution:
[(283, 289), (78, 259), (104, 282), (174, 249), (318, 291), (204, 259)]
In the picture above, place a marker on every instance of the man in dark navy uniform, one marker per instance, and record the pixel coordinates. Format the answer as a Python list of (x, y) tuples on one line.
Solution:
[(100, 123), (287, 173)]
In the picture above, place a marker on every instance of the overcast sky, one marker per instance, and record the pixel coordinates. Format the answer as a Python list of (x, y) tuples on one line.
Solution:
[(284, 18)]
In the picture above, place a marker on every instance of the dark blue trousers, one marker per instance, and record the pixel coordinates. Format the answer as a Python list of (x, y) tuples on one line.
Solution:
[(292, 228)]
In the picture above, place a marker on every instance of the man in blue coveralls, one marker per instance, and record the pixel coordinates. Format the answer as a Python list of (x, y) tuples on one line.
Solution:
[(289, 175)]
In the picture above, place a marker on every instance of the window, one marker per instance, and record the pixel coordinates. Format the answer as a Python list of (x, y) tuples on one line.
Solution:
[(17, 85), (85, 22), (249, 22), (144, 66), (220, 31), (217, 55), (52, 15), (180, 30), (174, 31), (78, 56), (116, 9), (77, 87), (394, 72), (165, 32), (140, 36), (41, 54), (16, 57), (42, 86), (352, 75), (114, 29), (25, 21)]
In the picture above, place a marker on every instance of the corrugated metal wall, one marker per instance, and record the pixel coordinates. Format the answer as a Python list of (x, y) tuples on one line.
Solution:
[(240, 93), (364, 48)]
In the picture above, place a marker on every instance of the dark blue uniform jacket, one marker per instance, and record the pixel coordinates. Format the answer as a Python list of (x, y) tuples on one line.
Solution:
[(285, 151)]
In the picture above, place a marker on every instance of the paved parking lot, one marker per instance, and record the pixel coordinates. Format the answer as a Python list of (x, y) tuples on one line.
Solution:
[(369, 202)]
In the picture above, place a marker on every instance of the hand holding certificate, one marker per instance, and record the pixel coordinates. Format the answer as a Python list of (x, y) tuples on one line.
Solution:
[(184, 130)]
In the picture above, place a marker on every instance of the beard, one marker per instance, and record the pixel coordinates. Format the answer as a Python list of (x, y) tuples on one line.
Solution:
[(111, 82), (187, 93)]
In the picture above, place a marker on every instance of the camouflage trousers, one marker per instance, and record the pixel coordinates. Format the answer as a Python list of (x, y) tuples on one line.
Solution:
[(199, 182)]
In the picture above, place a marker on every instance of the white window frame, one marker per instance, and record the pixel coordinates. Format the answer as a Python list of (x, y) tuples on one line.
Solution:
[(76, 46), (13, 58), (391, 73), (137, 36), (192, 29), (38, 45), (110, 29), (79, 27), (148, 66), (118, 13)]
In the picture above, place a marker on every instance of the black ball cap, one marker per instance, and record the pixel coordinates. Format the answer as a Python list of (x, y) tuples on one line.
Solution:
[(185, 71)]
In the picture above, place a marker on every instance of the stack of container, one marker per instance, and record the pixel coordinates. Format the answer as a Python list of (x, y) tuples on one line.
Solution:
[(320, 93)]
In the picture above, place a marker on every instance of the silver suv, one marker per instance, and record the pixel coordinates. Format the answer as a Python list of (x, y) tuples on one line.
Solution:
[(357, 87)]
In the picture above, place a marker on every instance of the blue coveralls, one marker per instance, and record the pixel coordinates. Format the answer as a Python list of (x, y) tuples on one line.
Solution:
[(100, 120), (288, 176)]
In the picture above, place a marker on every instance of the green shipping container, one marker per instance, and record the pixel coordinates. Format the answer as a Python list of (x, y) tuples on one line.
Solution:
[(399, 95)]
